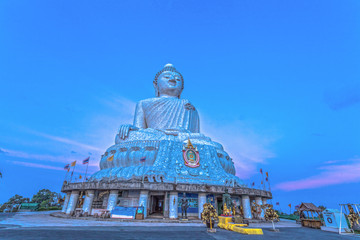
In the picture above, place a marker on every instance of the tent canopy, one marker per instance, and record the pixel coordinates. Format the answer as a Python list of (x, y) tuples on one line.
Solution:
[(309, 207)]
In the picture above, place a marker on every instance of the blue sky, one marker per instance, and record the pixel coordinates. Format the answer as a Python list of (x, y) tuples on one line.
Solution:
[(276, 82)]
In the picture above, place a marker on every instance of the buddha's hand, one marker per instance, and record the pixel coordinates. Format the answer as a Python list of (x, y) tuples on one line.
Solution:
[(125, 129)]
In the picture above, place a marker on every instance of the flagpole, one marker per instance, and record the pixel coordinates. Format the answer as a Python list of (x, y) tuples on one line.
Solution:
[(87, 165), (67, 173), (262, 174), (269, 185), (72, 172)]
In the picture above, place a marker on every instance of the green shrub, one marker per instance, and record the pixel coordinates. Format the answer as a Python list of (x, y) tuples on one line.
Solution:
[(290, 217), (54, 208), (49, 208)]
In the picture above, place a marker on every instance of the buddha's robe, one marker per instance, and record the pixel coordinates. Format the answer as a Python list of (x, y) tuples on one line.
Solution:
[(167, 113)]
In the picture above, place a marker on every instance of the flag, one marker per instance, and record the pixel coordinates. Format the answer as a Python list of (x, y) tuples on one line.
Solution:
[(261, 170), (277, 203), (80, 177), (143, 159), (289, 205), (0, 175), (297, 207), (261, 182), (86, 161), (253, 184), (267, 174), (73, 163), (110, 158), (67, 166), (267, 179), (68, 169)]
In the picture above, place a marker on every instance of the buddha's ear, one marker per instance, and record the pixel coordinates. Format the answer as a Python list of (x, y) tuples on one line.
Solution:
[(156, 89)]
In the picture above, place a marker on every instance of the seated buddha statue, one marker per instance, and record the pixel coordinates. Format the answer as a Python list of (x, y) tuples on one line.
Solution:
[(155, 146)]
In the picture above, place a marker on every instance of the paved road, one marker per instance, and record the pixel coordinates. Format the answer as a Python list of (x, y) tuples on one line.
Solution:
[(158, 233), (40, 225)]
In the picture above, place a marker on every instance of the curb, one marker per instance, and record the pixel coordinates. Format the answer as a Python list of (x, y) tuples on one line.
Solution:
[(64, 216)]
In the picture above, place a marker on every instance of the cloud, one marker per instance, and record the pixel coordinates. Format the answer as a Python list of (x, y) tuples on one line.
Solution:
[(36, 165), (44, 166), (101, 131), (331, 175), (41, 157), (343, 97), (49, 158), (65, 140), (121, 105), (2, 151), (247, 148)]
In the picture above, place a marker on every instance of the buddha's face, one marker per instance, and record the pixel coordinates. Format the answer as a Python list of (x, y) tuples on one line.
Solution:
[(169, 84)]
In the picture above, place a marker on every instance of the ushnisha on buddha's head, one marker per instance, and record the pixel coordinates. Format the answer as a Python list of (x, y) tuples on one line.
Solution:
[(168, 82)]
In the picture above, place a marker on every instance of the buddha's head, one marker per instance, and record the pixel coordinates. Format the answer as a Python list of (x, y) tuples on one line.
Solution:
[(168, 82)]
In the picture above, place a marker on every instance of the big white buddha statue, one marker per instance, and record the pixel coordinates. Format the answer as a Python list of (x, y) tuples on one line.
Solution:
[(153, 147)]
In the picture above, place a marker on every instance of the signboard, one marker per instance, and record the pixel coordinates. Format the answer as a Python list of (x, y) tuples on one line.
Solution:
[(123, 212), (332, 221)]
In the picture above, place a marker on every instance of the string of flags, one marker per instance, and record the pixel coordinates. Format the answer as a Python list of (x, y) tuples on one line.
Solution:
[(67, 167), (263, 181)]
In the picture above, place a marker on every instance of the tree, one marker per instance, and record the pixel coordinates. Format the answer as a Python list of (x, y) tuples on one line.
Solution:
[(45, 197), (322, 207), (15, 201)]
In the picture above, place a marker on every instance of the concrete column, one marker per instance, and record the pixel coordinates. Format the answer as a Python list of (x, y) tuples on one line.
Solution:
[(143, 201), (201, 202), (89, 198), (66, 202), (72, 202), (166, 205), (113, 197), (245, 199), (173, 212), (258, 201)]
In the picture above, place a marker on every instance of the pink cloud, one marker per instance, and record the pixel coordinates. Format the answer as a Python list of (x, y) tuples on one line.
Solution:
[(331, 175)]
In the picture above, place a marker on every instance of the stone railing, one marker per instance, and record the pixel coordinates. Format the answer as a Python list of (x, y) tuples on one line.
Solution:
[(168, 187)]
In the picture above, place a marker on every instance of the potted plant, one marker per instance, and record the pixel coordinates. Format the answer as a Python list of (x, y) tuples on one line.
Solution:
[(271, 215), (209, 215)]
